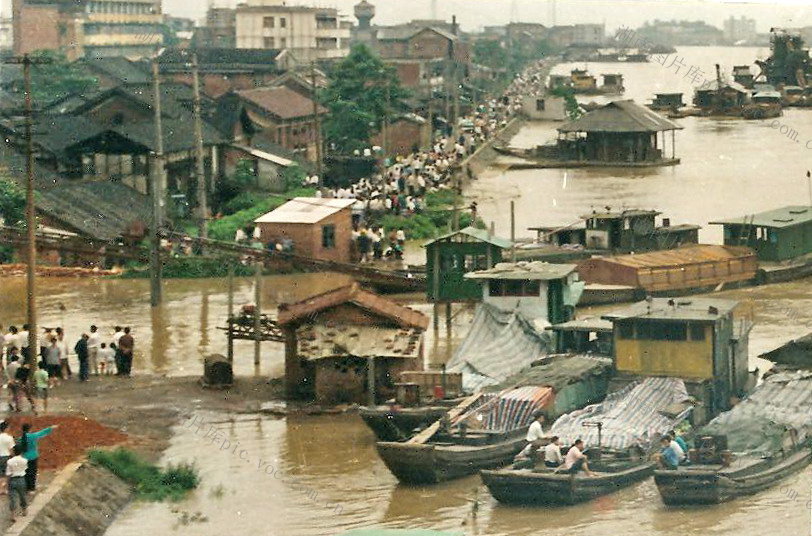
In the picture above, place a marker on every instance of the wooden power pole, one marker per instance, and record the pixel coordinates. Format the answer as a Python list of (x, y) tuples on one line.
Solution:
[(157, 192), (30, 207), (317, 125), (200, 167)]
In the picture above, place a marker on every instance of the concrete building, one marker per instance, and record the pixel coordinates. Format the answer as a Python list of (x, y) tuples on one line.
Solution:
[(545, 107), (577, 34), (93, 28), (220, 30), (309, 33), (6, 34), (319, 228)]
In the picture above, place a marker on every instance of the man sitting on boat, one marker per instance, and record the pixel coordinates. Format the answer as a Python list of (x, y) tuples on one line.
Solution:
[(677, 447), (526, 459), (577, 460), (668, 458), (552, 453)]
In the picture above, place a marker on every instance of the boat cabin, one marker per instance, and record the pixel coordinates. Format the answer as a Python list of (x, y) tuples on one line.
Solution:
[(703, 341), (613, 81), (582, 81), (537, 290), (776, 235), (742, 75), (451, 256), (721, 96), (584, 336), (667, 101), (349, 345), (635, 230), (767, 97), (792, 94)]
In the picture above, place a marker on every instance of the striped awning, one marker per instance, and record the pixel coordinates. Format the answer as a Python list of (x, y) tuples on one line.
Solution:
[(510, 410)]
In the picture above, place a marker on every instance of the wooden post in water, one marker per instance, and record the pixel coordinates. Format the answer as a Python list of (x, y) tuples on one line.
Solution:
[(513, 231), (230, 313), (371, 380), (257, 312), (436, 288)]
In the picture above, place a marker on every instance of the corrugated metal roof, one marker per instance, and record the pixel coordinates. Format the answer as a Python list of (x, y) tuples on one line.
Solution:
[(534, 271), (480, 235), (630, 213), (777, 218), (680, 256), (713, 85), (305, 210), (620, 116), (278, 160), (707, 309), (583, 324)]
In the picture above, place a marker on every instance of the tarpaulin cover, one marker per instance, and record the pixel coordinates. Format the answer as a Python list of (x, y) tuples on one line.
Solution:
[(501, 412), (630, 417), (497, 345), (757, 425)]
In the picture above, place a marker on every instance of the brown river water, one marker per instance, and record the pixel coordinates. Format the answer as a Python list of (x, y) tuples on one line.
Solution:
[(320, 475)]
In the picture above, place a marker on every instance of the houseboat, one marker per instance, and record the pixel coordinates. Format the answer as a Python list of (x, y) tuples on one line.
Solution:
[(667, 102), (581, 82), (763, 105), (748, 449)]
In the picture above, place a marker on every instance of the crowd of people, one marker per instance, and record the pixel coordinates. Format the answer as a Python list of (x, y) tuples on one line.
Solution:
[(32, 376), (401, 185)]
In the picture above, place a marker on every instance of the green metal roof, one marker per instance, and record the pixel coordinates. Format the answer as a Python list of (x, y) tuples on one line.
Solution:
[(778, 218), (480, 235)]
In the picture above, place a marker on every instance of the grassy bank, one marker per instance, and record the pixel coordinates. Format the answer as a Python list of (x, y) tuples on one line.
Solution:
[(151, 483), (435, 219)]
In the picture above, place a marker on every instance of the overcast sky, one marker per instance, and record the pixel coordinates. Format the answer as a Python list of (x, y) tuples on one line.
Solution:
[(474, 14)]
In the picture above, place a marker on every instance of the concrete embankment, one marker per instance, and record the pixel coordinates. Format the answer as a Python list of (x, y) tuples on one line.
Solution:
[(82, 500)]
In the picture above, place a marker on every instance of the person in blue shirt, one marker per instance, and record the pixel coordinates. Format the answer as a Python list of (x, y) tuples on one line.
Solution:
[(668, 456), (680, 441), (28, 444)]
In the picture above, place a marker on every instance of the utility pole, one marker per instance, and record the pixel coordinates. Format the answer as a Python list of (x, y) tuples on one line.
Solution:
[(386, 120), (317, 123), (157, 191), (200, 169), (30, 207)]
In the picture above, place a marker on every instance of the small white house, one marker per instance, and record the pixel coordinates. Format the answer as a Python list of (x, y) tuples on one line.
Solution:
[(537, 290), (545, 108)]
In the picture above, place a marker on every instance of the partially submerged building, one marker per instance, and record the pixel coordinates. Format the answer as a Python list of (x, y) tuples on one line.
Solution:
[(349, 345), (544, 107), (775, 235), (618, 132), (635, 230), (313, 227), (687, 268), (702, 341)]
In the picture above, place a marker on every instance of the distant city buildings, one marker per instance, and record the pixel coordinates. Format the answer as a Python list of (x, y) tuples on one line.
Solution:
[(6, 35), (740, 30), (677, 33), (92, 28), (578, 34), (308, 33), (220, 30)]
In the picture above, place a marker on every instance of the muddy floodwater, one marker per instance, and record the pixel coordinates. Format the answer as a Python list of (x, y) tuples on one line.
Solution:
[(313, 476)]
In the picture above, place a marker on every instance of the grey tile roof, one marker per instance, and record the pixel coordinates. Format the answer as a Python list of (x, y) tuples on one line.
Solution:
[(620, 116)]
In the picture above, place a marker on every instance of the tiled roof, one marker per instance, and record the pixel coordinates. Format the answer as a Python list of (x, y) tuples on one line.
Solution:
[(620, 116), (320, 341), (281, 101), (299, 313), (221, 59), (118, 68)]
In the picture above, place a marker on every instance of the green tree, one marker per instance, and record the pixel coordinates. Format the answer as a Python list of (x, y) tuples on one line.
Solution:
[(571, 105), (361, 94), (57, 79), (490, 54), (12, 204)]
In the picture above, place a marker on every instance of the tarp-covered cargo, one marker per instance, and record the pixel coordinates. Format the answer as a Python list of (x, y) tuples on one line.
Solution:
[(634, 416), (758, 424)]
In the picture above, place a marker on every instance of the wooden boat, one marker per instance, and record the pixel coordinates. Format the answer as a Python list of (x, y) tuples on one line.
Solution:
[(546, 486), (713, 483), (398, 424)]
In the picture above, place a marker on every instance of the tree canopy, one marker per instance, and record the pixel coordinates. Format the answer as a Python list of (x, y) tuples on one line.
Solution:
[(12, 203), (361, 94)]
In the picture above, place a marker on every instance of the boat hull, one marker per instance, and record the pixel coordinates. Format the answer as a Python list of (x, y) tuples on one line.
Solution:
[(698, 486), (398, 425), (549, 488), (413, 463)]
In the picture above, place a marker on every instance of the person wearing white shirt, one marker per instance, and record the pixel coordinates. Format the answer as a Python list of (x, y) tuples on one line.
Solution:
[(677, 448), (6, 447), (22, 341), (15, 471), (552, 453), (93, 343), (576, 459), (536, 433)]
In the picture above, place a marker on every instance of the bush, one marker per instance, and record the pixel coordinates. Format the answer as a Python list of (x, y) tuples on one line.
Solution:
[(225, 228), (241, 202), (149, 481)]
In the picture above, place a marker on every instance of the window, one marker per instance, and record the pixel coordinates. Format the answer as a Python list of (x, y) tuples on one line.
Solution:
[(697, 332), (283, 22), (475, 262), (283, 42), (539, 105), (626, 330), (513, 288), (270, 42), (662, 331), (268, 22), (761, 233), (328, 236)]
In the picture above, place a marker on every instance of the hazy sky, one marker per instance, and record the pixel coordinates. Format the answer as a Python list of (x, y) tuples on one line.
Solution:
[(474, 14)]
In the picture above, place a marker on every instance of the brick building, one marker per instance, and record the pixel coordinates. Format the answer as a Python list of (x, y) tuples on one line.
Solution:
[(340, 343), (79, 28), (318, 228), (406, 134)]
